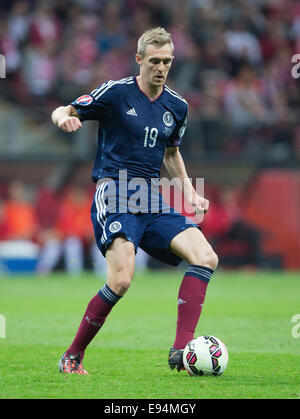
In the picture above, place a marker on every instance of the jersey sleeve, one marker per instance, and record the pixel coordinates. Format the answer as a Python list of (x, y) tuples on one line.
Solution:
[(97, 104), (176, 137)]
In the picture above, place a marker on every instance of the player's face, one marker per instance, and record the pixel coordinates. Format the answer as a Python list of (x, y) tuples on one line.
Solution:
[(156, 63)]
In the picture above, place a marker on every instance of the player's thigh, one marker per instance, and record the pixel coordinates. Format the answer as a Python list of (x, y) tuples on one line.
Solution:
[(120, 258), (192, 246)]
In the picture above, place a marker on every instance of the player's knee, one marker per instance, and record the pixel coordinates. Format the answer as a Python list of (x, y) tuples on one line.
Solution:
[(207, 258), (120, 259), (120, 280), (212, 260), (124, 284)]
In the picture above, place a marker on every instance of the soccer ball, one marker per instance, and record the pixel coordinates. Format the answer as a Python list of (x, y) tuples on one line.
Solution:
[(205, 355)]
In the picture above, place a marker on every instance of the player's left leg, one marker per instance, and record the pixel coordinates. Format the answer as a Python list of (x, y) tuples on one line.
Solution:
[(191, 246)]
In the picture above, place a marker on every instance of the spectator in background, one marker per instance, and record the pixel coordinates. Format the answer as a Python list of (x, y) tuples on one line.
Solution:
[(9, 48), (46, 210), (113, 32), (242, 44), (237, 242), (80, 55), (273, 38), (215, 222), (3, 227), (112, 40), (40, 54), (244, 104), (19, 22), (295, 25), (210, 118), (72, 230), (18, 228), (44, 25), (39, 69), (18, 214)]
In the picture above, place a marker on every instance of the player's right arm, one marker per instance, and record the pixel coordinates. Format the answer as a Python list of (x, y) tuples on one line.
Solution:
[(66, 118), (96, 106)]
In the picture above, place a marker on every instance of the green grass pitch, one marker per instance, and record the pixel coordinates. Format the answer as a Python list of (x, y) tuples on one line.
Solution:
[(251, 312)]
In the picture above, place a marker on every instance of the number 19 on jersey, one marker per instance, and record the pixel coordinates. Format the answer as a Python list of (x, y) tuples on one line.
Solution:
[(150, 137)]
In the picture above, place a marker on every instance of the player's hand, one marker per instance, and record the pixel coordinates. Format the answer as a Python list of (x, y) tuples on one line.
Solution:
[(200, 204), (70, 124)]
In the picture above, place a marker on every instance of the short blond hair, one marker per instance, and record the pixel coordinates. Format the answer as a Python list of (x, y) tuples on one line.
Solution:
[(157, 37)]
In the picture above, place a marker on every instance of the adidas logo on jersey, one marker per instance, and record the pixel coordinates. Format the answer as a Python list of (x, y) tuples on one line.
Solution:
[(131, 112)]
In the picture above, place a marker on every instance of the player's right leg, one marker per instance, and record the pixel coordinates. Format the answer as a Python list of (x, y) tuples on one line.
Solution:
[(120, 257)]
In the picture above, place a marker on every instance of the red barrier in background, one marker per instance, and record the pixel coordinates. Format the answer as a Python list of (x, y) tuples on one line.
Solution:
[(272, 204)]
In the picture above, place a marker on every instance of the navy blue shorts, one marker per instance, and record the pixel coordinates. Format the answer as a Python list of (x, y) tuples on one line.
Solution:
[(151, 231)]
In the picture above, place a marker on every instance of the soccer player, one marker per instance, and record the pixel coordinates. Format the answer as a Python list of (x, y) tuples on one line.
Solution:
[(141, 125)]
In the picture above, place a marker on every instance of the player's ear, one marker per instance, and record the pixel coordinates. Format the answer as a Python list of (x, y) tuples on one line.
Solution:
[(138, 59)]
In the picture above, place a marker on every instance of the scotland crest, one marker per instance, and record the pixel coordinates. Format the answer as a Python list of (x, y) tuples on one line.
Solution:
[(168, 119)]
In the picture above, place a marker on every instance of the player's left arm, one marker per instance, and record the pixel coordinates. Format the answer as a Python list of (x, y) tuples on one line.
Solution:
[(176, 168)]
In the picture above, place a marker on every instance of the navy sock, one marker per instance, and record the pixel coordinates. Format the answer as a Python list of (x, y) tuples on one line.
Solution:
[(108, 295)]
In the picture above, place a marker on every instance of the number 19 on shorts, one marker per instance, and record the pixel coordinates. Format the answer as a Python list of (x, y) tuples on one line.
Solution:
[(150, 137)]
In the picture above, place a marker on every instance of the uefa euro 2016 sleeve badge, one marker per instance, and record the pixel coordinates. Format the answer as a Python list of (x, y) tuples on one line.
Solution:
[(84, 100)]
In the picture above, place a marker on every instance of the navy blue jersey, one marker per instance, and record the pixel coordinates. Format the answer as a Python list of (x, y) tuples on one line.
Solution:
[(133, 129)]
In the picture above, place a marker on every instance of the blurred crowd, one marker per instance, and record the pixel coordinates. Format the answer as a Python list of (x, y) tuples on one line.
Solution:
[(232, 62), (58, 224)]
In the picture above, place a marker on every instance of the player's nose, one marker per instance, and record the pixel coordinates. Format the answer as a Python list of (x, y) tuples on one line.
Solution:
[(161, 67)]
